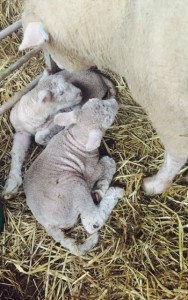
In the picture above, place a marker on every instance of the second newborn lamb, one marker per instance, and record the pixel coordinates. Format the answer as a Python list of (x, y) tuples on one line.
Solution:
[(59, 183)]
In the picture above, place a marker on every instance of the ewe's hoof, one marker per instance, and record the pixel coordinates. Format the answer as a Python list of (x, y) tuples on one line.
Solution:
[(153, 186)]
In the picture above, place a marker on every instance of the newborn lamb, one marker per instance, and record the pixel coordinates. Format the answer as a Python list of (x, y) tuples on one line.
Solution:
[(28, 116), (91, 83), (59, 183), (34, 113)]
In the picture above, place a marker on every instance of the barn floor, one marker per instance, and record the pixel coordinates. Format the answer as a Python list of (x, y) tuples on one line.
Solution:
[(143, 248)]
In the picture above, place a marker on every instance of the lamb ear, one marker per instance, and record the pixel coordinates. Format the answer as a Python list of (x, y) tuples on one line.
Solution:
[(65, 119), (45, 74), (44, 96), (34, 35), (94, 141)]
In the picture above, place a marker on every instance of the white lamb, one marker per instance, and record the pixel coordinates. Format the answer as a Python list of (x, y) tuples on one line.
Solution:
[(28, 116)]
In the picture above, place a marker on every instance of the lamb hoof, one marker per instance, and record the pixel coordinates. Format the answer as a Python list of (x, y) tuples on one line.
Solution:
[(119, 192), (89, 244), (97, 196), (41, 138), (11, 187), (154, 186)]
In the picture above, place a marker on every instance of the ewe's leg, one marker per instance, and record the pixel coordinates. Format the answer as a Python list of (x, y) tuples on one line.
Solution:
[(163, 179), (102, 184), (20, 146), (94, 216), (170, 121), (69, 243)]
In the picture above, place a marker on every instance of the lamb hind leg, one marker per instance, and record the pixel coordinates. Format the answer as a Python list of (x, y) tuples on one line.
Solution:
[(93, 217), (20, 146), (102, 184), (70, 244)]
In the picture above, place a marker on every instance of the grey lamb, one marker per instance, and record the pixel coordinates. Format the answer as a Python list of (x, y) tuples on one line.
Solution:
[(59, 184), (34, 113), (91, 83)]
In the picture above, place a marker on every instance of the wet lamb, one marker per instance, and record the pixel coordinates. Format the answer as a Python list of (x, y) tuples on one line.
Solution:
[(59, 183)]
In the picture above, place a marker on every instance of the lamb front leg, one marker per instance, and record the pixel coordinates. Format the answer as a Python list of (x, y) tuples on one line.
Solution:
[(102, 184), (43, 136), (20, 146), (47, 131)]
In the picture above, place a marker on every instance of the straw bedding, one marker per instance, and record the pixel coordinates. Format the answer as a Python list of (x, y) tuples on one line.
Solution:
[(143, 248)]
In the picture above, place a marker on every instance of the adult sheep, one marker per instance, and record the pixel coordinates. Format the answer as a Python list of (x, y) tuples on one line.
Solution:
[(145, 41)]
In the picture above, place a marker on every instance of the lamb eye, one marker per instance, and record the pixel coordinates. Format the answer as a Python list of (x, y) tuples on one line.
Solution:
[(96, 225), (61, 93)]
